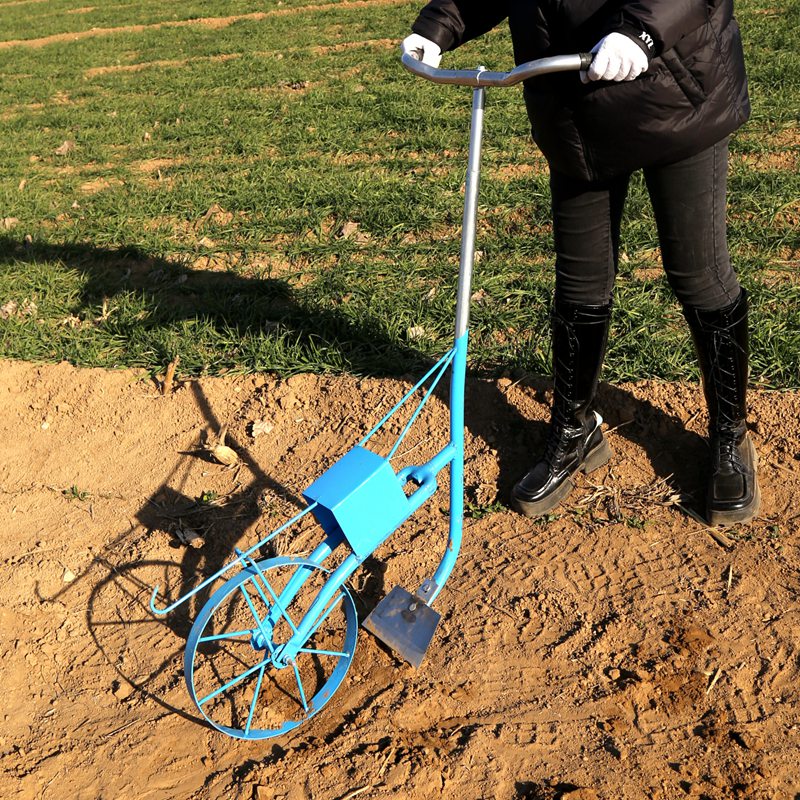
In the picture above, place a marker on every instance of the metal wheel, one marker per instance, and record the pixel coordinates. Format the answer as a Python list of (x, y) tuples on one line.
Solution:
[(239, 672)]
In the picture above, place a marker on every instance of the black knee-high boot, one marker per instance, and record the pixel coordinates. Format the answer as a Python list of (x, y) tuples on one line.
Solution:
[(721, 340), (575, 441)]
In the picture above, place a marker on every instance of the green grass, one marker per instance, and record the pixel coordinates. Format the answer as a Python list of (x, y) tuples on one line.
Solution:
[(296, 136)]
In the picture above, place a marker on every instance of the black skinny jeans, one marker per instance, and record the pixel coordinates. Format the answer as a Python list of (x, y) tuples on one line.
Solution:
[(689, 202)]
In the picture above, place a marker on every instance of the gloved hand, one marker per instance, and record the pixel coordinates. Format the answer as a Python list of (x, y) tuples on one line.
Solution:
[(423, 49), (617, 58)]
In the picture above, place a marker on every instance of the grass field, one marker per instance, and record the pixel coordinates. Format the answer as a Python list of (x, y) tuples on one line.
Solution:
[(261, 186)]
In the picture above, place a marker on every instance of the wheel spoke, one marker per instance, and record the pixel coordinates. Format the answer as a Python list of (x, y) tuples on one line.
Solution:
[(262, 694), (232, 635), (275, 599), (300, 686), (323, 652), (253, 611), (255, 699), (231, 683)]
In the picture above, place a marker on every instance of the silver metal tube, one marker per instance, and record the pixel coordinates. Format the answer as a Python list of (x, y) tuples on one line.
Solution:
[(470, 212), (483, 77)]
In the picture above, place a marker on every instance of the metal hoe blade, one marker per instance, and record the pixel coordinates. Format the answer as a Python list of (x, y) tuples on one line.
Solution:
[(405, 623)]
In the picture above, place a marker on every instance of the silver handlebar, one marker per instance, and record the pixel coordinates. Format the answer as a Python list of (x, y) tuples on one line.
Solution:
[(483, 77)]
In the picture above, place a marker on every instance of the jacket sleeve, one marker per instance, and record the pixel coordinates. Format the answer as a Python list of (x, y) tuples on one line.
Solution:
[(663, 22), (451, 23)]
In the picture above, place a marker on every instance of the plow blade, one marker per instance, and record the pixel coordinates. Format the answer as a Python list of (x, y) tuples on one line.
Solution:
[(405, 623)]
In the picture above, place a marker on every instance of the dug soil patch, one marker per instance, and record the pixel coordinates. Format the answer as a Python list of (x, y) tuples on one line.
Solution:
[(618, 649)]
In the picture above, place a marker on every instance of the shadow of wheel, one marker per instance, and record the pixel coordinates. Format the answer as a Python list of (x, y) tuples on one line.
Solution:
[(146, 651)]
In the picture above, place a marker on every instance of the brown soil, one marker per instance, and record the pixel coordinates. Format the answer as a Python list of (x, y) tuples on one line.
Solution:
[(20, 3), (99, 184), (617, 650), (93, 72)]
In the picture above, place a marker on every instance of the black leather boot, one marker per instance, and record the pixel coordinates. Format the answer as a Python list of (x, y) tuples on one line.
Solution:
[(720, 338), (575, 441)]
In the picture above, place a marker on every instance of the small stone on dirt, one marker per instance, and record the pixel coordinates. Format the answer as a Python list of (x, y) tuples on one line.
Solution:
[(68, 575), (122, 690), (188, 536), (260, 426), (748, 741)]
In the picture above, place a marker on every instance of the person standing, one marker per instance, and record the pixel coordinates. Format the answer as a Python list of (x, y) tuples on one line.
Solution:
[(665, 89)]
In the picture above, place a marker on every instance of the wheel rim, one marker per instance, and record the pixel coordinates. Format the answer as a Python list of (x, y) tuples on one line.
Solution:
[(233, 661)]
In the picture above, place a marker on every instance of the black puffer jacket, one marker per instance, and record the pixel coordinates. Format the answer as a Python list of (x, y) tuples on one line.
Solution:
[(693, 94)]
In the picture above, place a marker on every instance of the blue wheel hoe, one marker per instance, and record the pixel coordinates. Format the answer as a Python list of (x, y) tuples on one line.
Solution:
[(274, 641)]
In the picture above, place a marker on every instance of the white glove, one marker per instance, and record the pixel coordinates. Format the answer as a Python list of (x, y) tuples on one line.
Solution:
[(617, 58), (422, 49)]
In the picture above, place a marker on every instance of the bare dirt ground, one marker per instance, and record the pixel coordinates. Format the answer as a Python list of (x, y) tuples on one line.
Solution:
[(618, 650)]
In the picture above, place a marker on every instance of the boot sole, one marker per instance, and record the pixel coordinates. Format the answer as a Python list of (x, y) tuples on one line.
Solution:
[(537, 508), (744, 514)]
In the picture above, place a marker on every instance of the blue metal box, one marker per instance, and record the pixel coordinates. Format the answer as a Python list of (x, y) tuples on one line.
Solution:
[(361, 495)]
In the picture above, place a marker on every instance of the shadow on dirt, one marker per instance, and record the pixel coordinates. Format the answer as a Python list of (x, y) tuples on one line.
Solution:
[(248, 306), (527, 790), (126, 589), (676, 454), (131, 638)]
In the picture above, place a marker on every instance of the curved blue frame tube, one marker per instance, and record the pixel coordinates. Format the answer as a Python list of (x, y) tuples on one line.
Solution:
[(457, 380), (459, 364)]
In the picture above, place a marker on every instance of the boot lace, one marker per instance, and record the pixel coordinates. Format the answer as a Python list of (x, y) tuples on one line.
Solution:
[(558, 439), (728, 454)]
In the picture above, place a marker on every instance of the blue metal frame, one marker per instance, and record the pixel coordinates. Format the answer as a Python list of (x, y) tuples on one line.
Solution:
[(359, 501)]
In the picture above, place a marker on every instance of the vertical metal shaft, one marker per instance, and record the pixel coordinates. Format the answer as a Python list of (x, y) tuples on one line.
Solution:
[(459, 366), (470, 212)]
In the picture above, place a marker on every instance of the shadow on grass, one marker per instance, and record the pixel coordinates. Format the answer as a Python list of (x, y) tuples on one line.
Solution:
[(286, 331)]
